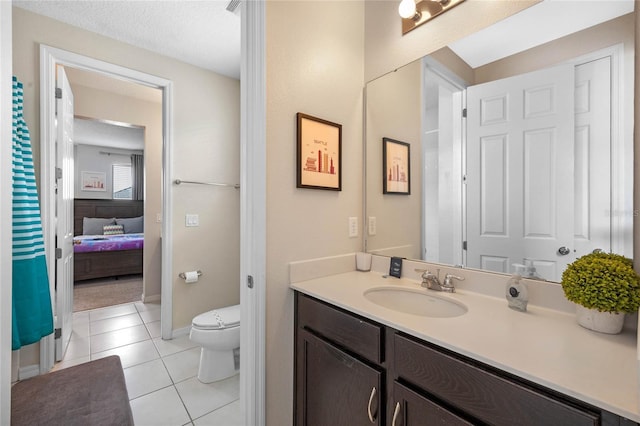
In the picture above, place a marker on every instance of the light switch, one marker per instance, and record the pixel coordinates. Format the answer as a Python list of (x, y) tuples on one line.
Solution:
[(353, 227), (192, 220), (372, 225)]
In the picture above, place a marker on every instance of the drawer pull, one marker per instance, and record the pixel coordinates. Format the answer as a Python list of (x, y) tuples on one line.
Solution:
[(396, 412), (372, 416)]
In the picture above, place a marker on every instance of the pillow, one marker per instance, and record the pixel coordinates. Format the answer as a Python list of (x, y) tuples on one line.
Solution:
[(132, 225), (93, 225), (113, 229)]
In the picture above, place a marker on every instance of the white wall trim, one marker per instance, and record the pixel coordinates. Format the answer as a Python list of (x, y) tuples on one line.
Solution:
[(28, 371), (6, 99), (166, 286), (49, 58), (253, 213)]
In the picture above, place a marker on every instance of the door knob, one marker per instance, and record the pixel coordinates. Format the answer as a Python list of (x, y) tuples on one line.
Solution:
[(563, 251)]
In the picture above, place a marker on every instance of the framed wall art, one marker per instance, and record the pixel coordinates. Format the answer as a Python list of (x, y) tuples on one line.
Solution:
[(396, 167), (319, 153), (93, 181)]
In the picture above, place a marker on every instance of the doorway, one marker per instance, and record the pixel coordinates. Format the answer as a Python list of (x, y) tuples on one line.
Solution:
[(51, 58)]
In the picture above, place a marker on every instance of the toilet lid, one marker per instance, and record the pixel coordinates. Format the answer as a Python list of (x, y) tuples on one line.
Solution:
[(218, 318)]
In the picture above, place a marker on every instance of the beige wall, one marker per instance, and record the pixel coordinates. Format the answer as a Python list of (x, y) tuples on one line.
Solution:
[(93, 103), (394, 111), (387, 49), (206, 120), (315, 65)]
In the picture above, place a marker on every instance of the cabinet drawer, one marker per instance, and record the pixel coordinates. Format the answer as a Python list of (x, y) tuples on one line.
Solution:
[(479, 392), (357, 334)]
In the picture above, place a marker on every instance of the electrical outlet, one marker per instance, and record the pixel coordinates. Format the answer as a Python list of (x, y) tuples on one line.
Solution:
[(192, 220), (373, 227), (353, 227)]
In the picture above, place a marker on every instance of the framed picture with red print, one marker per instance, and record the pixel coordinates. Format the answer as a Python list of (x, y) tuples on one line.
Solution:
[(396, 167), (319, 153)]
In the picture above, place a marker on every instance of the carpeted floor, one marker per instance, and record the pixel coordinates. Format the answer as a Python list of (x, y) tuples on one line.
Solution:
[(92, 294)]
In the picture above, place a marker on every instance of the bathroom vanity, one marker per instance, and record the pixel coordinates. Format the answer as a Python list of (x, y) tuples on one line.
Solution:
[(359, 363)]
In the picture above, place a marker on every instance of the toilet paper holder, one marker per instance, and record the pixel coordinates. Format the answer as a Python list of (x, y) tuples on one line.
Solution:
[(183, 275)]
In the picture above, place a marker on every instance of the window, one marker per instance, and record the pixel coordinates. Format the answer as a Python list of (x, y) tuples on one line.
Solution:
[(122, 181)]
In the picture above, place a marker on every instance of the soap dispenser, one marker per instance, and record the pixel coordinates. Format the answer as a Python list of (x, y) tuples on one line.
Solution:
[(516, 291)]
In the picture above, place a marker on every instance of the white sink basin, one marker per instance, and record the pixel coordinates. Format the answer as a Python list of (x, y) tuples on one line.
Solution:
[(414, 301)]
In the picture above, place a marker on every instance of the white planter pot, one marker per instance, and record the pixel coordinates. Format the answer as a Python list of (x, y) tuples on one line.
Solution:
[(604, 322)]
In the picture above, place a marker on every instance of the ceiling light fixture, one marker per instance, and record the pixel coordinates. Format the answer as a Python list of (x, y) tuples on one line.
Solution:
[(415, 14)]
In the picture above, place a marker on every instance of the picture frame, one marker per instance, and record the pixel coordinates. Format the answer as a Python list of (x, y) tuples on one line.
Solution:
[(319, 153), (93, 181), (396, 167)]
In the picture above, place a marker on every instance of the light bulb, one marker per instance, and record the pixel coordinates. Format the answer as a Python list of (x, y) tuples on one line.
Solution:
[(407, 9)]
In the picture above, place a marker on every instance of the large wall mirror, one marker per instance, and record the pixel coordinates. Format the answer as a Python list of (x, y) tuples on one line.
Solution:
[(521, 144)]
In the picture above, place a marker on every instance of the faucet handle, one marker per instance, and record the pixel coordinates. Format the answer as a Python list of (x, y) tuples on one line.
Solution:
[(449, 277)]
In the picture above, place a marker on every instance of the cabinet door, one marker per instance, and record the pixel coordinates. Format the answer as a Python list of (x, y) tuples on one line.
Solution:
[(410, 409), (334, 388)]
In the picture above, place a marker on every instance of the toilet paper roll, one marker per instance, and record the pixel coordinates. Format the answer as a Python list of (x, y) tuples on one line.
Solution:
[(191, 276)]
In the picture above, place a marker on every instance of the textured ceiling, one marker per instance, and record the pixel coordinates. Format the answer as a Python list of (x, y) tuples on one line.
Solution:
[(107, 134), (201, 33)]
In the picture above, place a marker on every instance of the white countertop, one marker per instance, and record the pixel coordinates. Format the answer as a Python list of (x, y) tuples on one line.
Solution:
[(544, 346)]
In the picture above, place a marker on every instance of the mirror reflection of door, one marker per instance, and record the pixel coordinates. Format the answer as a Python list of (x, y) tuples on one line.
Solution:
[(537, 185), (519, 171)]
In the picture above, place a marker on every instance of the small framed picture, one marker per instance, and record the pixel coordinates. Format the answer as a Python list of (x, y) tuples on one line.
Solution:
[(93, 181), (396, 167), (319, 153)]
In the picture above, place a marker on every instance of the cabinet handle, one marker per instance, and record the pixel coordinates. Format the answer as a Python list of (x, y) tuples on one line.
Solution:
[(372, 417), (396, 412)]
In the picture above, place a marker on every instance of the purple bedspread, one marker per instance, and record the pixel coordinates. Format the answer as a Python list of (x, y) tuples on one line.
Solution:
[(89, 243)]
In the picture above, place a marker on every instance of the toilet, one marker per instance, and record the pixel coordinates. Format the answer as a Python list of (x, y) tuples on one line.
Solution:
[(218, 332)]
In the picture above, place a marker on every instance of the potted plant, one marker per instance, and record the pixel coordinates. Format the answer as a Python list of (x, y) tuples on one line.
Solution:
[(604, 286)]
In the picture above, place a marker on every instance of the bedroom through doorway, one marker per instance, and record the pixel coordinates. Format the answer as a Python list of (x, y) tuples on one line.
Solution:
[(117, 132)]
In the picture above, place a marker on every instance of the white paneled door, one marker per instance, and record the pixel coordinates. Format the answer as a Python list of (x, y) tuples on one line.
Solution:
[(64, 213), (520, 172)]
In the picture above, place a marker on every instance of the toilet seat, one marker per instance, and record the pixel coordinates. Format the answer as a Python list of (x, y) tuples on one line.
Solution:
[(218, 319)]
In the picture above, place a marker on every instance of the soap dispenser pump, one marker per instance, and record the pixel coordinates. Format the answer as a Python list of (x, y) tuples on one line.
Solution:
[(516, 291)]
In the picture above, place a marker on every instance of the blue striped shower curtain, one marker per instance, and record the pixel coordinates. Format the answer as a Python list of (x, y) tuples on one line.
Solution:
[(32, 315)]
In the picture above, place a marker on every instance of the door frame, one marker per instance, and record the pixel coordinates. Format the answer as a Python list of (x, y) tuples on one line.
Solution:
[(622, 145), (6, 101), (253, 207), (50, 57)]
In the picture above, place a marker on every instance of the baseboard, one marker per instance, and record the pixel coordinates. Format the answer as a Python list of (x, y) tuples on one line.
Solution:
[(150, 299), (28, 371), (181, 332)]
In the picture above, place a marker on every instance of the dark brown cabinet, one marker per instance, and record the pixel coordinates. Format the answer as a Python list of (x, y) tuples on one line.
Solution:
[(350, 370), (411, 409), (335, 388)]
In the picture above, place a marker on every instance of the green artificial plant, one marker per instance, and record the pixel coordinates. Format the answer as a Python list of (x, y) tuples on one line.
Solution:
[(606, 282)]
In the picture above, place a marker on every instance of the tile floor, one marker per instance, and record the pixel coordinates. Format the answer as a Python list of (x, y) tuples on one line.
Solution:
[(160, 374)]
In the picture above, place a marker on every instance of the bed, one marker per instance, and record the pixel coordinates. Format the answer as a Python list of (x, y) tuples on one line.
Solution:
[(97, 255)]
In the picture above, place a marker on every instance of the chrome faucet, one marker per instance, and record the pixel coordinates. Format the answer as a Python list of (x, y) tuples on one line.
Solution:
[(432, 282)]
